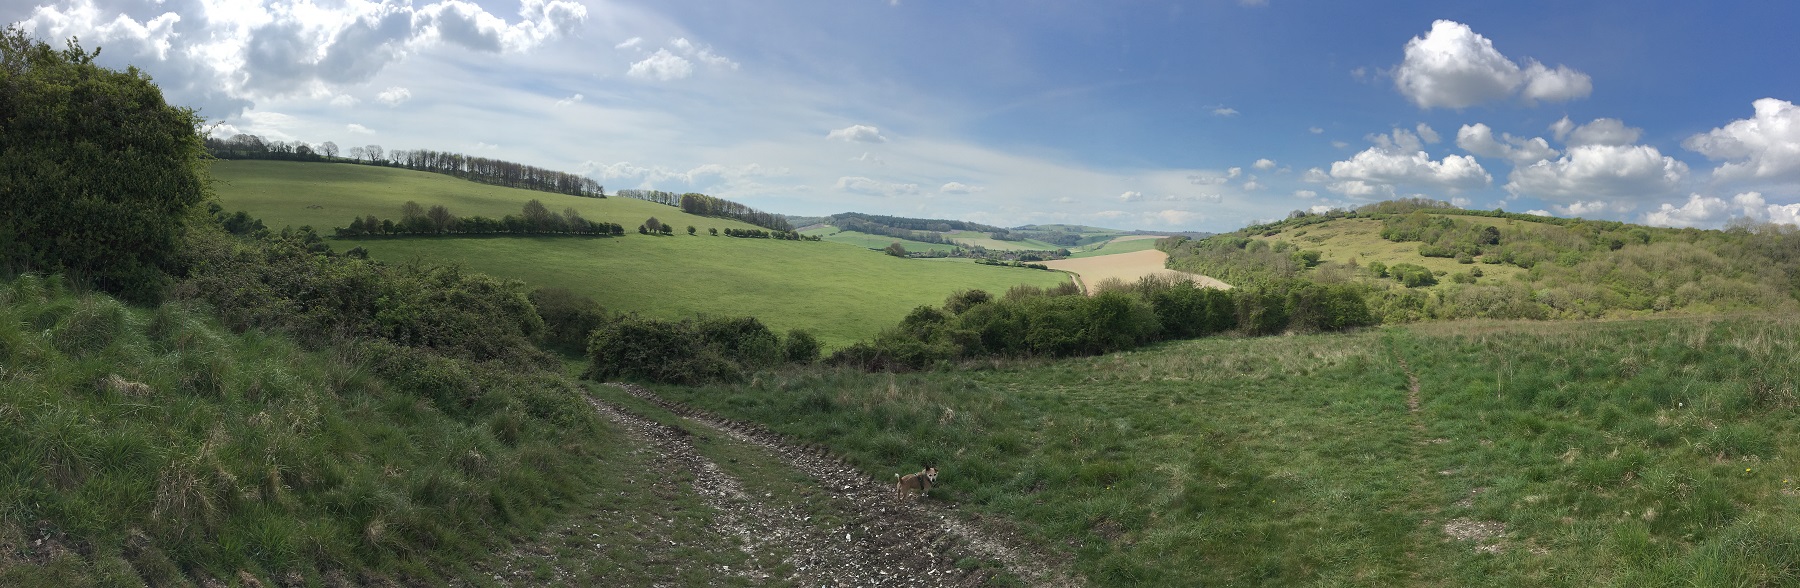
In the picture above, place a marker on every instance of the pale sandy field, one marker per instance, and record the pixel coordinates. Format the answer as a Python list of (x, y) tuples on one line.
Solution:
[(1128, 267)]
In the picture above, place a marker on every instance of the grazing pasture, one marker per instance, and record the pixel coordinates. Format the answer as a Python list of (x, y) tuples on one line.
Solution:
[(842, 294)]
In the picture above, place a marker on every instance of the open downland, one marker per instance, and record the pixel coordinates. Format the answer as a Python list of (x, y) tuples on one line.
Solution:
[(867, 241), (1359, 239), (842, 294), (1628, 453), (980, 239), (328, 195), (1127, 267), (1117, 245)]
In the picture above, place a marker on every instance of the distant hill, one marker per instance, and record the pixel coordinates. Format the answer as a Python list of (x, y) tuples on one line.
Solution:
[(1421, 259), (938, 234)]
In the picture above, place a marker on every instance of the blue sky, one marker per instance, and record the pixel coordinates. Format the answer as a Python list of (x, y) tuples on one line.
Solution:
[(1148, 115)]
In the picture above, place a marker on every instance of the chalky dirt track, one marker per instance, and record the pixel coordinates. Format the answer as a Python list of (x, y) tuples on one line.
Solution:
[(885, 543)]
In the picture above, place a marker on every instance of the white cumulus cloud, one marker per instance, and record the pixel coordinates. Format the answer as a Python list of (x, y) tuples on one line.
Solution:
[(1452, 66), (960, 188), (393, 96), (857, 134), (1479, 139), (224, 56), (571, 100), (661, 66), (1399, 159), (1765, 146), (1588, 171), (1264, 164), (1603, 131)]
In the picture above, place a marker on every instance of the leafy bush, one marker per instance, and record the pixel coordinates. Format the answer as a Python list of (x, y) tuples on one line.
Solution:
[(293, 283), (568, 318), (693, 351), (100, 175), (1412, 275)]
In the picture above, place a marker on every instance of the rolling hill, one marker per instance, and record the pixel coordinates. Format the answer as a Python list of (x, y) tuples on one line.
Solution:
[(841, 293), (1421, 260)]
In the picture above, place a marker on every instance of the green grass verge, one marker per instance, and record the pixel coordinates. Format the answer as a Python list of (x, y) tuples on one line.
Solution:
[(1645, 453), (842, 294), (153, 446)]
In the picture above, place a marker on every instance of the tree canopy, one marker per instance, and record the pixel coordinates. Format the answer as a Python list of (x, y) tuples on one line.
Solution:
[(98, 174)]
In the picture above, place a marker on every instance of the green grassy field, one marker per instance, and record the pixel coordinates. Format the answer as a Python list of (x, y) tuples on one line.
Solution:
[(1630, 453), (1111, 247), (979, 239), (328, 195), (868, 241), (843, 294)]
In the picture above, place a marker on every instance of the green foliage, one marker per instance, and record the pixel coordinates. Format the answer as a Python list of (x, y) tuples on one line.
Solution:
[(98, 175), (1412, 275), (568, 318), (154, 445), (895, 249), (693, 351), (293, 283), (800, 346), (1028, 322)]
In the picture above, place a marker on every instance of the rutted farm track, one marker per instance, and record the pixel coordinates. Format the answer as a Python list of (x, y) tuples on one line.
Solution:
[(876, 542)]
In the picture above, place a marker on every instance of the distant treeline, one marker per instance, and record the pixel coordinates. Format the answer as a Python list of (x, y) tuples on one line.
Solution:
[(703, 205), (534, 219), (927, 230), (864, 226), (477, 169)]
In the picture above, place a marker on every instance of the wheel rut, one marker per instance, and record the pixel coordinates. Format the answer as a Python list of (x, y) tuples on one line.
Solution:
[(900, 543)]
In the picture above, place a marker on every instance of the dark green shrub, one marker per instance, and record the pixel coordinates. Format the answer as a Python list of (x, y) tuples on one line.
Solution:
[(800, 346), (963, 300), (100, 175), (568, 317)]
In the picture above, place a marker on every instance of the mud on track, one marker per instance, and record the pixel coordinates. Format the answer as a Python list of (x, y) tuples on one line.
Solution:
[(910, 543)]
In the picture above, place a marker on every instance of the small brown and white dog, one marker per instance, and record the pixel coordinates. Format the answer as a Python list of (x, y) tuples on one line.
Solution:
[(919, 483)]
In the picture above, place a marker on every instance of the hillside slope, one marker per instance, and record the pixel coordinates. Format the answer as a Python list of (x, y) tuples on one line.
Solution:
[(327, 195), (1422, 260), (841, 293)]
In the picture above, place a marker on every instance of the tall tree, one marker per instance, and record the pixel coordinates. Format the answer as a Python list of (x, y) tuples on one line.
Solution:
[(98, 173), (328, 148)]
